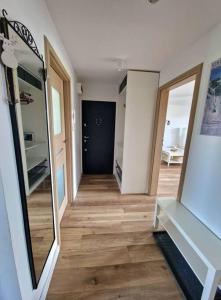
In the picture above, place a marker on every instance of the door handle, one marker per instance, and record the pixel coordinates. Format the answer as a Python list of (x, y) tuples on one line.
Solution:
[(86, 137)]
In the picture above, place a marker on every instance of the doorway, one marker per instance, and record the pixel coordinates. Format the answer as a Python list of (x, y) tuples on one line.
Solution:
[(174, 138), (177, 101), (98, 131), (60, 116)]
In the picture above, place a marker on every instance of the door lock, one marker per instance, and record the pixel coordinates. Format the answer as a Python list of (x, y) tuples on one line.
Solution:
[(85, 150)]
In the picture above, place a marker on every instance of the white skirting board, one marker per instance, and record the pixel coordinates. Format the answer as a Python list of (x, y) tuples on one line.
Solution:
[(46, 276)]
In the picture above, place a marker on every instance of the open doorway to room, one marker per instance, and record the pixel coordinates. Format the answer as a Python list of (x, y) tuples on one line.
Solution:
[(175, 114), (174, 138)]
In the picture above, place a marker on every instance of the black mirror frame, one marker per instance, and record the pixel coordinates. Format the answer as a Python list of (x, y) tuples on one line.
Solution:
[(28, 39)]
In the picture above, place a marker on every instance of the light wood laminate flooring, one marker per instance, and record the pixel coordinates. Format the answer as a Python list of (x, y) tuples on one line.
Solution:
[(108, 251)]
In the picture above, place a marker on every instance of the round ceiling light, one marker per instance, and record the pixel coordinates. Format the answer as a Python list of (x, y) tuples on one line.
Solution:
[(152, 1)]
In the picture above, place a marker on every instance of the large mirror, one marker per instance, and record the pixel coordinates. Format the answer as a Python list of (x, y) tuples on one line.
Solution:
[(30, 129)]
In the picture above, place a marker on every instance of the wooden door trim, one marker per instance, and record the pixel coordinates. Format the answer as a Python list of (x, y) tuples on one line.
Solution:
[(52, 60), (159, 126)]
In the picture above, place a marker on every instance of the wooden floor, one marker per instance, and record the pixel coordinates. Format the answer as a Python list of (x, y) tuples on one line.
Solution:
[(40, 216), (169, 179), (108, 251)]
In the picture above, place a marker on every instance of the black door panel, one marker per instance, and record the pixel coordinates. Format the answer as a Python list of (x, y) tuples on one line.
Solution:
[(98, 129)]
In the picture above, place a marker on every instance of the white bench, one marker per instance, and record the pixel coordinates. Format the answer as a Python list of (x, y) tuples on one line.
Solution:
[(199, 246)]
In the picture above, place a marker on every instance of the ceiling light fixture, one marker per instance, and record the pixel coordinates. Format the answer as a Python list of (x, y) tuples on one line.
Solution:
[(121, 64), (152, 1)]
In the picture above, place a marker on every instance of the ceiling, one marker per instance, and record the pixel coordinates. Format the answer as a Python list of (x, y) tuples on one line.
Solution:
[(98, 32)]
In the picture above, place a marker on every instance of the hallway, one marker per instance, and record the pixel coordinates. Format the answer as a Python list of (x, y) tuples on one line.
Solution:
[(107, 250)]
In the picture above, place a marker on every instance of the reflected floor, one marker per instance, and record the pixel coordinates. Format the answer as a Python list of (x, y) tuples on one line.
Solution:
[(41, 224)]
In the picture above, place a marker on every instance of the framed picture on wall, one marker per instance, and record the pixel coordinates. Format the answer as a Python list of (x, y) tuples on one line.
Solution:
[(211, 124)]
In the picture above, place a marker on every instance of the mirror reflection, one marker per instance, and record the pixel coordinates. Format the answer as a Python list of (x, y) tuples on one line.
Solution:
[(33, 134)]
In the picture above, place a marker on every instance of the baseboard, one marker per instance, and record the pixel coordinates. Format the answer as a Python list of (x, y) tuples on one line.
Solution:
[(50, 273), (77, 188)]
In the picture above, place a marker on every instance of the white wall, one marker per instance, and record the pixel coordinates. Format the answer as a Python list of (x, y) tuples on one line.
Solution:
[(100, 91), (120, 123), (141, 97), (202, 188), (178, 115), (9, 288), (35, 16)]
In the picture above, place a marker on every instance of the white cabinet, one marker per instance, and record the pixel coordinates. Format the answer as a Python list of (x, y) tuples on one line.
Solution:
[(134, 130)]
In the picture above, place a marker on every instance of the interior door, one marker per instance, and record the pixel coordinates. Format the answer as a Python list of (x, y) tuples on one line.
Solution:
[(59, 140), (98, 130)]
